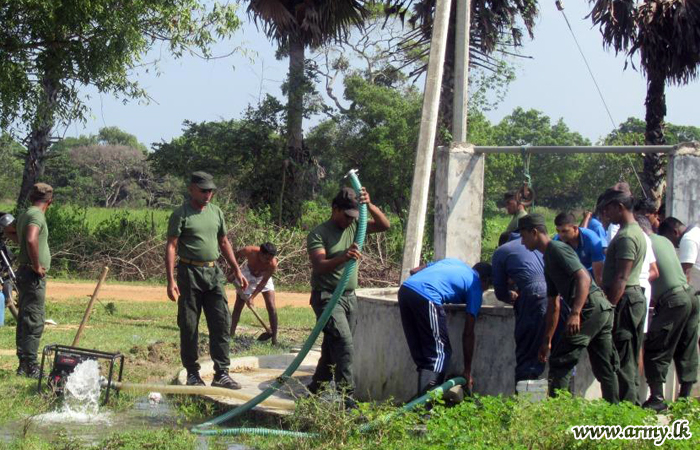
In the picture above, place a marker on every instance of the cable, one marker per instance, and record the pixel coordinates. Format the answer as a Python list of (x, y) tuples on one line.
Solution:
[(560, 6)]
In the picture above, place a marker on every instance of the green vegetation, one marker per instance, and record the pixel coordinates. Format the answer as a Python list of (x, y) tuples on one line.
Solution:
[(478, 422), (145, 332)]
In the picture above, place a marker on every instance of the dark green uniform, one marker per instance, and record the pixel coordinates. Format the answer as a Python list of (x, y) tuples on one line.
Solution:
[(628, 331), (673, 333), (560, 265), (198, 234), (337, 348), (31, 287)]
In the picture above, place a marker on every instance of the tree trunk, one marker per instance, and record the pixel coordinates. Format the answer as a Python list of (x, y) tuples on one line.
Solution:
[(296, 178), (39, 138), (653, 176)]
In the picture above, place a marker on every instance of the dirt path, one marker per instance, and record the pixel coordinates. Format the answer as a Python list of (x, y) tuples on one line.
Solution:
[(58, 290)]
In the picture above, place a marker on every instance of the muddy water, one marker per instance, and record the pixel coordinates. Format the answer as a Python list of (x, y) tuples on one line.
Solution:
[(91, 429)]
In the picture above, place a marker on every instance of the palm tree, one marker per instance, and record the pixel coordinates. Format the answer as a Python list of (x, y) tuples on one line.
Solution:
[(666, 35), (296, 25), (496, 25)]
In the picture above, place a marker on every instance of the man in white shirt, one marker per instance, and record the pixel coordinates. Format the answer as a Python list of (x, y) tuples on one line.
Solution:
[(687, 240)]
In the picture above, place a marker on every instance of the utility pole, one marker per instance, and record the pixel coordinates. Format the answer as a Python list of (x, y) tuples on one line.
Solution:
[(415, 226)]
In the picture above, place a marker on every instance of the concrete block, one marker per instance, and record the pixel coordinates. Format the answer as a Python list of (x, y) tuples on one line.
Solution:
[(682, 193)]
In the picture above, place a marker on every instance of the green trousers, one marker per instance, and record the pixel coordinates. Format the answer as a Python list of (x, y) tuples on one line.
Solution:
[(628, 334), (30, 320), (673, 335), (596, 337), (202, 288), (337, 349)]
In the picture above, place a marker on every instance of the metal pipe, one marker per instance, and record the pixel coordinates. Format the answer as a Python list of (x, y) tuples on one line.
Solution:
[(564, 150)]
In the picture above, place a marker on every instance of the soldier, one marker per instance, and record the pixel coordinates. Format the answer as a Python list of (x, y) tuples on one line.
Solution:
[(528, 295), (673, 333), (31, 233), (197, 233), (330, 246), (623, 265), (590, 322)]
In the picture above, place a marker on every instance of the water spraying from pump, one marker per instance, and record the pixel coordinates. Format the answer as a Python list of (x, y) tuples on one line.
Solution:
[(81, 396)]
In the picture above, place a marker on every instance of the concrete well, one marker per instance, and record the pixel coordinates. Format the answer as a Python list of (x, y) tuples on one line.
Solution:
[(384, 368)]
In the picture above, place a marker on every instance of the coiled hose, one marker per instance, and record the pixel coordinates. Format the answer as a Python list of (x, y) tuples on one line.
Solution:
[(363, 429), (350, 266)]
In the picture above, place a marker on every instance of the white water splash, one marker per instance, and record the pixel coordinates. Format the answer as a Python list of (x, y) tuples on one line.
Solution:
[(81, 397)]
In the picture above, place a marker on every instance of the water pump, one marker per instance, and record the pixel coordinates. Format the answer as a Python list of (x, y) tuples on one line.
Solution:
[(66, 358)]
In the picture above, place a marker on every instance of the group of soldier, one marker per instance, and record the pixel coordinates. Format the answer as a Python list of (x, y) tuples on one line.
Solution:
[(584, 289), (590, 288)]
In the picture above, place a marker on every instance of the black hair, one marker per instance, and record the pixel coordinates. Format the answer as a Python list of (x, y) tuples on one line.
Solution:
[(268, 248), (669, 225), (646, 206), (509, 196), (643, 223), (503, 238), (565, 218), (662, 210), (484, 270)]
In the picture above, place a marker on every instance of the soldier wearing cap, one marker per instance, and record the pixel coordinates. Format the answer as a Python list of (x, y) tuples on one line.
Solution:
[(590, 321), (331, 245), (623, 265), (197, 234), (31, 232)]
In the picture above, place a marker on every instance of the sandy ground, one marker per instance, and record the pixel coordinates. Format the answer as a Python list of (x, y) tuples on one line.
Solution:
[(58, 290)]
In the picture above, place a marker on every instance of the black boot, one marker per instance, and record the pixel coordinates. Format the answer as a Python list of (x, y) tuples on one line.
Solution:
[(427, 380), (656, 398), (685, 390)]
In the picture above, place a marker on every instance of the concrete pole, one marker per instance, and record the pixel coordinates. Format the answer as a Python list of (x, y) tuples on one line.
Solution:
[(461, 75), (415, 226)]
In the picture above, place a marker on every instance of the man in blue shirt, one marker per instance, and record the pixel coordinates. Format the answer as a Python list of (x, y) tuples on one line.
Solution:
[(586, 243), (518, 279), (421, 300)]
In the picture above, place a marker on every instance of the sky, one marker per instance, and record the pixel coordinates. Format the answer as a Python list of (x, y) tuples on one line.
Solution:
[(553, 80)]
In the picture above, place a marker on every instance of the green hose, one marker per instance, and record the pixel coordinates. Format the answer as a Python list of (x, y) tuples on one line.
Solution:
[(350, 266), (363, 429)]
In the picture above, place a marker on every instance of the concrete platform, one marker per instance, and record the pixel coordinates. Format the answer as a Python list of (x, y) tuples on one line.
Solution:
[(257, 373)]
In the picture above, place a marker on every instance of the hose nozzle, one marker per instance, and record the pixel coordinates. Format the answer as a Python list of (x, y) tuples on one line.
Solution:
[(350, 173)]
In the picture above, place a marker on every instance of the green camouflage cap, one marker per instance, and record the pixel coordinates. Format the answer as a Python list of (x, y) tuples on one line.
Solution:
[(203, 180)]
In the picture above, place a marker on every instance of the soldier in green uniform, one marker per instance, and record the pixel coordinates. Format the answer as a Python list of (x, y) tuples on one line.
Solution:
[(330, 245), (590, 322), (673, 333), (623, 264), (197, 234), (31, 233)]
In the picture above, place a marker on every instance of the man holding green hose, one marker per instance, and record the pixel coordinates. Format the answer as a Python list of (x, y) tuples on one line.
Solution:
[(330, 246)]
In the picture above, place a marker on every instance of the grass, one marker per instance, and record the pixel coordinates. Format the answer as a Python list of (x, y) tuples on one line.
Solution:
[(147, 334)]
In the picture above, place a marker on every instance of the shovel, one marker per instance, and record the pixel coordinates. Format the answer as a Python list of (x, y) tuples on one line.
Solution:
[(268, 333)]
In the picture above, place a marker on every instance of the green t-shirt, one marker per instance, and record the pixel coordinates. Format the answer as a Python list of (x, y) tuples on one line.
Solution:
[(198, 232), (628, 244), (334, 241), (670, 271), (513, 225), (560, 264), (33, 216)]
